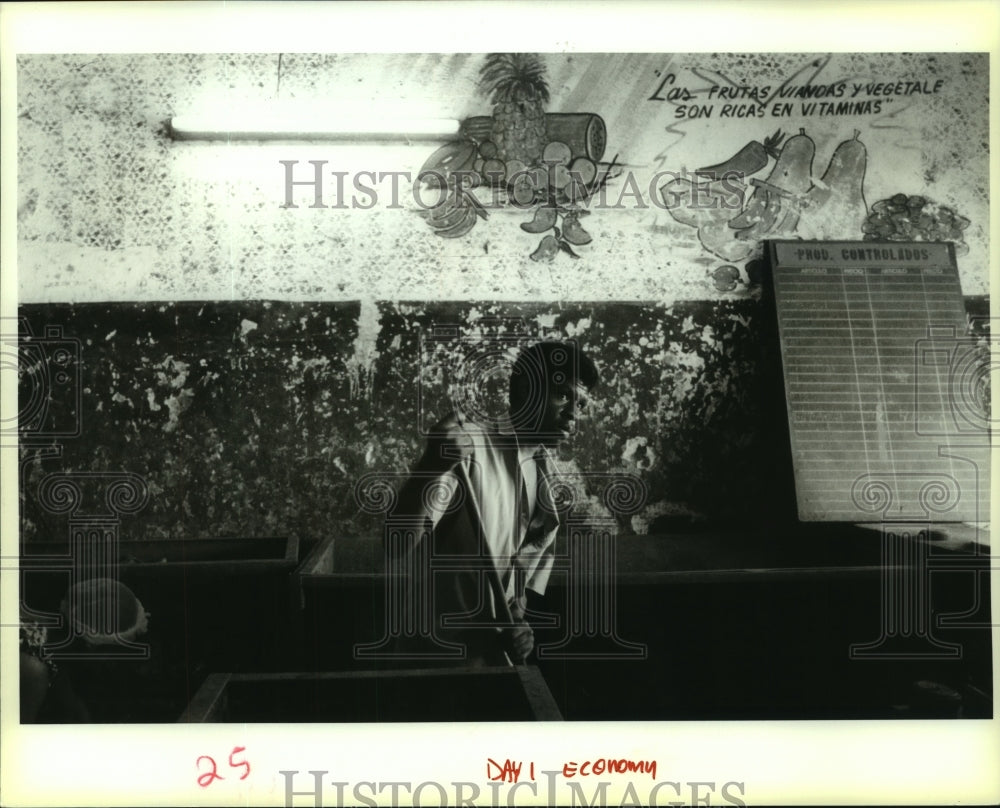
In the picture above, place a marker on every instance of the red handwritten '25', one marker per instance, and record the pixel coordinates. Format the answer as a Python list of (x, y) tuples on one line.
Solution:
[(205, 779), (235, 765)]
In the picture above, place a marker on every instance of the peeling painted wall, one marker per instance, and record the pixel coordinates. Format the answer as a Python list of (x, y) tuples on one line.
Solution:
[(259, 418), (262, 423)]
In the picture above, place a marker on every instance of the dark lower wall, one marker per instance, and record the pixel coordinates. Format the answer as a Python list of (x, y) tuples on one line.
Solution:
[(258, 418)]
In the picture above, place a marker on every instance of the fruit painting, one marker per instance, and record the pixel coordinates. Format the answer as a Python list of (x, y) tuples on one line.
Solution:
[(520, 157), (915, 218), (835, 204), (516, 86), (733, 214), (790, 202)]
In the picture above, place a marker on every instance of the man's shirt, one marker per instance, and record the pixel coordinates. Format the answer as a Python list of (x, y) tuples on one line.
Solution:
[(515, 521)]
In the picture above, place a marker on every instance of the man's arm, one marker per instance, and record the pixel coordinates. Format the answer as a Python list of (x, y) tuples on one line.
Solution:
[(447, 445)]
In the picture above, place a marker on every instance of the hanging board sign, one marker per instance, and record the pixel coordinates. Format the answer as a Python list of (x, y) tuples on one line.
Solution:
[(883, 388)]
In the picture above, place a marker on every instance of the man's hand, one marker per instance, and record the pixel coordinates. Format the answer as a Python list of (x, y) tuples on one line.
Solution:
[(521, 638), (447, 444)]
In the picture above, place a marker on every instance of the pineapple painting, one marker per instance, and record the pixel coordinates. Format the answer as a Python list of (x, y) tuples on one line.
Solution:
[(516, 86), (520, 156)]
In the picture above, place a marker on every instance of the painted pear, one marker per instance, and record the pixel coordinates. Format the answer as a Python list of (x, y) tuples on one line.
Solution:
[(772, 209), (835, 206), (793, 171)]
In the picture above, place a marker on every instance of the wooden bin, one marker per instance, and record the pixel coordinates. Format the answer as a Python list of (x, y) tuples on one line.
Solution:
[(225, 598), (458, 694), (46, 566), (214, 604), (771, 619), (338, 601)]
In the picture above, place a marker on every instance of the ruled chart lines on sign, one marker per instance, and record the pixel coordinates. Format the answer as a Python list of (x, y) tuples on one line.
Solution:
[(880, 382)]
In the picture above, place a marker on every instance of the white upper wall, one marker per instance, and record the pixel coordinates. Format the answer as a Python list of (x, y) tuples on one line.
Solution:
[(110, 208)]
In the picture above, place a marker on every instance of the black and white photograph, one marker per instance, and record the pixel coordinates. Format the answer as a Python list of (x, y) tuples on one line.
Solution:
[(453, 422)]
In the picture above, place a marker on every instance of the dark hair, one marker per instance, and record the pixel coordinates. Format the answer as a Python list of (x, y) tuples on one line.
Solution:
[(550, 362)]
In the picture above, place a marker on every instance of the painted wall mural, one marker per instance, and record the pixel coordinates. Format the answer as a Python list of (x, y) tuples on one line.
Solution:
[(249, 314), (111, 208), (546, 162)]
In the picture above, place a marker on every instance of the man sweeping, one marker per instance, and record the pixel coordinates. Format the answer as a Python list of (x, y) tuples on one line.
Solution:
[(479, 495)]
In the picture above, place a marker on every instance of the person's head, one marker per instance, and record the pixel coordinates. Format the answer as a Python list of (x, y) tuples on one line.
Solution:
[(549, 383)]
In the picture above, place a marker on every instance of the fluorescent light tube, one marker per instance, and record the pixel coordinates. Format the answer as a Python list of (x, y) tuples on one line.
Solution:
[(310, 127)]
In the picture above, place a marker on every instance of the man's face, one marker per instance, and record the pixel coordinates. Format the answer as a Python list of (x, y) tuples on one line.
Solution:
[(562, 405)]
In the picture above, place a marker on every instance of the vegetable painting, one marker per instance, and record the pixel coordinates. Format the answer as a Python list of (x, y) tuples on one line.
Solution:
[(772, 209), (748, 160)]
